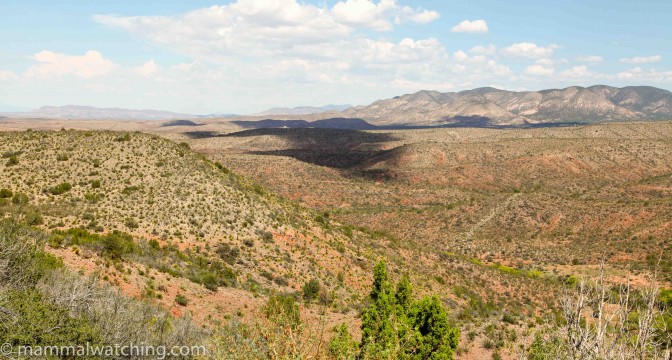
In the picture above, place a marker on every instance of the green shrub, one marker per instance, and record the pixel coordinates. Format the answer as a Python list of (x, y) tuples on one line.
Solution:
[(311, 289), (283, 310), (20, 199), (33, 218), (228, 253), (6, 193), (181, 300), (95, 184), (37, 322), (342, 346), (222, 168), (60, 188), (62, 157), (122, 138), (13, 160)]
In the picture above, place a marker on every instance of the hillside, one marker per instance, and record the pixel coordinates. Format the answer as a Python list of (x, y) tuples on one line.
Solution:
[(185, 225), (500, 107)]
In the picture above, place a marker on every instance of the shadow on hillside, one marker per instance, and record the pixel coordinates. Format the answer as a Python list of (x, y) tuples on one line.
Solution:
[(335, 148)]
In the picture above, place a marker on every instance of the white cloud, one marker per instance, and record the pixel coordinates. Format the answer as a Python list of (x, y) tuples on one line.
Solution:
[(539, 70), (590, 59), (637, 74), (460, 56), (530, 50), (7, 75), (474, 27), (378, 16), (580, 71), (484, 50), (55, 65), (147, 69), (642, 59)]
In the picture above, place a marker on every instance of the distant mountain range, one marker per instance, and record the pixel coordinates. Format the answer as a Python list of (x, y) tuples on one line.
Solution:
[(494, 107), (303, 110), (89, 112)]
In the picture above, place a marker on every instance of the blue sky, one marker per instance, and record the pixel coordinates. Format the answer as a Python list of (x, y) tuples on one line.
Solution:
[(247, 55)]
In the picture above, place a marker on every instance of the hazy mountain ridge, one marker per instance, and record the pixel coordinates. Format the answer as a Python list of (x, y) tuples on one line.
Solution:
[(598, 103), (303, 110), (90, 112)]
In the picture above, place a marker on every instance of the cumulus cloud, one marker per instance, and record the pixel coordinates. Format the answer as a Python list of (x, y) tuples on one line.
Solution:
[(590, 59), (639, 74), (642, 59), (7, 75), (539, 70), (55, 65), (484, 50), (147, 69), (529, 50), (378, 16), (580, 71), (474, 27)]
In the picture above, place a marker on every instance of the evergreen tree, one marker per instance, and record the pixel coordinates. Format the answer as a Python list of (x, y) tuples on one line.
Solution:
[(394, 326)]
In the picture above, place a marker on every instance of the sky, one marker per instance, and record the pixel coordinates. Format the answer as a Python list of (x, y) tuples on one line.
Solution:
[(244, 56)]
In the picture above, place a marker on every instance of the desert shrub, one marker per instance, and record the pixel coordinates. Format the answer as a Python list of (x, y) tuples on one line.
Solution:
[(93, 197), (130, 189), (95, 184), (311, 289), (20, 198), (33, 218), (283, 310), (61, 188), (181, 300), (122, 138), (6, 193), (222, 168), (266, 236), (13, 160), (131, 223), (114, 245), (62, 157), (228, 253), (35, 321), (342, 346)]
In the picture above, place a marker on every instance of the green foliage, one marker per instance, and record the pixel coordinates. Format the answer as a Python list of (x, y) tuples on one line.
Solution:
[(62, 157), (228, 253), (542, 349), (396, 326), (342, 346), (130, 189), (222, 168), (20, 198), (114, 245), (95, 184), (311, 289), (283, 311), (6, 193), (122, 138), (13, 160), (33, 218), (432, 336), (181, 300), (60, 188), (30, 320)]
